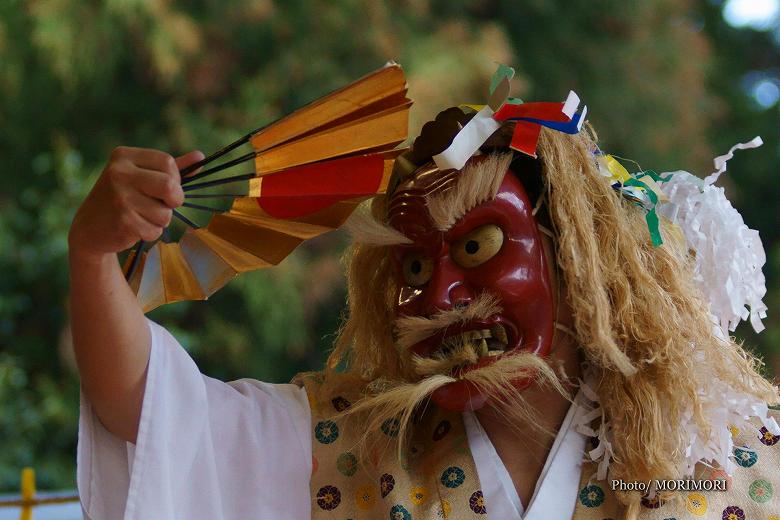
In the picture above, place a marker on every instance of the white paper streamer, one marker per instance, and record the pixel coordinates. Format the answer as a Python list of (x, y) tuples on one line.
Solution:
[(482, 126), (721, 160), (468, 140), (722, 407), (571, 104), (602, 453), (728, 261), (582, 117), (729, 255)]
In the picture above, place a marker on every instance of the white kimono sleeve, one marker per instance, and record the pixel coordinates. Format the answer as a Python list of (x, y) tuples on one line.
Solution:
[(205, 449)]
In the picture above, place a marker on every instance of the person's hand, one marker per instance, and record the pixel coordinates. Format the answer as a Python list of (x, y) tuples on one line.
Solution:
[(132, 200)]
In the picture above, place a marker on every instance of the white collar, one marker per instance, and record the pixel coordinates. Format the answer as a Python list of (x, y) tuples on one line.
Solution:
[(556, 489)]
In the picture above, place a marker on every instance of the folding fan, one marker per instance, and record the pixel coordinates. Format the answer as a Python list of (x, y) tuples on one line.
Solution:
[(311, 169)]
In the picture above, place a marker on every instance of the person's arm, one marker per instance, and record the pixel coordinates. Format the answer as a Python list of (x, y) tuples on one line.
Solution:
[(132, 200)]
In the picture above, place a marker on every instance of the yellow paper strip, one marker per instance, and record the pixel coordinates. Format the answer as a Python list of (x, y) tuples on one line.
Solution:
[(619, 173)]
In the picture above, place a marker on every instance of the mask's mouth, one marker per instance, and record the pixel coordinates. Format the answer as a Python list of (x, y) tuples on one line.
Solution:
[(484, 342), (464, 347)]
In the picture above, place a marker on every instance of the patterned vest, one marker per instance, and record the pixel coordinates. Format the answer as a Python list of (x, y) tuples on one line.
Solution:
[(436, 477)]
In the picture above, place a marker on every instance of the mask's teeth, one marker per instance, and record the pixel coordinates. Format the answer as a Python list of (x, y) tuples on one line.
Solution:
[(499, 332), (482, 348), (478, 339)]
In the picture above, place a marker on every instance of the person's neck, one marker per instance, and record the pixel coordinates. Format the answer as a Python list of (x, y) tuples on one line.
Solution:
[(524, 447)]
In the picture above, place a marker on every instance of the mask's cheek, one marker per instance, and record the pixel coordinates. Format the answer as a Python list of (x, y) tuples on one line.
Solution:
[(535, 323), (526, 299)]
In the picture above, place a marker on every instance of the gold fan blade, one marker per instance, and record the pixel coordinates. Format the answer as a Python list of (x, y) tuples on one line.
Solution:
[(187, 270), (167, 278), (255, 185), (376, 90), (178, 279), (247, 210), (235, 256), (328, 218), (210, 270), (383, 130), (268, 244), (135, 280), (334, 216), (151, 289)]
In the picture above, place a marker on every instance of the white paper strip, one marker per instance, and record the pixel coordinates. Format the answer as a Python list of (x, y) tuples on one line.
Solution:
[(721, 160), (582, 117), (468, 140), (729, 255), (722, 407), (571, 104)]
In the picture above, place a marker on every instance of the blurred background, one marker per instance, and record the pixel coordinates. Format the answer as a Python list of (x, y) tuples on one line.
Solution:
[(669, 83)]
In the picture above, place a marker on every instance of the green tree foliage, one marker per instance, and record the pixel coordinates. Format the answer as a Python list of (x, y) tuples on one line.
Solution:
[(664, 81)]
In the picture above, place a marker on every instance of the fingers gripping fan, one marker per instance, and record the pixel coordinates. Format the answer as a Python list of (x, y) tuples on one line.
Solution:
[(311, 169)]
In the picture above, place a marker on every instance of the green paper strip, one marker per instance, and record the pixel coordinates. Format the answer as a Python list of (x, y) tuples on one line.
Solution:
[(653, 226), (502, 72), (639, 184), (651, 217), (653, 175)]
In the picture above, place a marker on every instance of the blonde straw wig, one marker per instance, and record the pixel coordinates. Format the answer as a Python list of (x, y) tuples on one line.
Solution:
[(643, 327)]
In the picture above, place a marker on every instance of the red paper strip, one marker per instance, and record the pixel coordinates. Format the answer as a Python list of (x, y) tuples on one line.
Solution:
[(306, 189), (542, 110), (526, 137)]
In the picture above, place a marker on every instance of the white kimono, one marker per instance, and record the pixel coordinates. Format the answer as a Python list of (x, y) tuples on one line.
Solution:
[(243, 450)]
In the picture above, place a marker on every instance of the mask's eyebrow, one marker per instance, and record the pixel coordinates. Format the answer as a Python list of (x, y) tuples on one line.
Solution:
[(366, 229), (477, 183)]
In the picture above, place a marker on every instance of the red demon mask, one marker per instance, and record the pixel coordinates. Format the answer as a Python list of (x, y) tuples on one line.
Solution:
[(494, 249)]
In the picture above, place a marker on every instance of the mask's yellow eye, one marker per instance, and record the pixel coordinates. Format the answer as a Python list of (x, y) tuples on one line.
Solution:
[(418, 269), (478, 246)]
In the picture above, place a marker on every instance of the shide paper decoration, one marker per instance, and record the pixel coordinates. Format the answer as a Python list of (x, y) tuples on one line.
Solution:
[(728, 259), (728, 256), (640, 188), (311, 169), (529, 118)]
